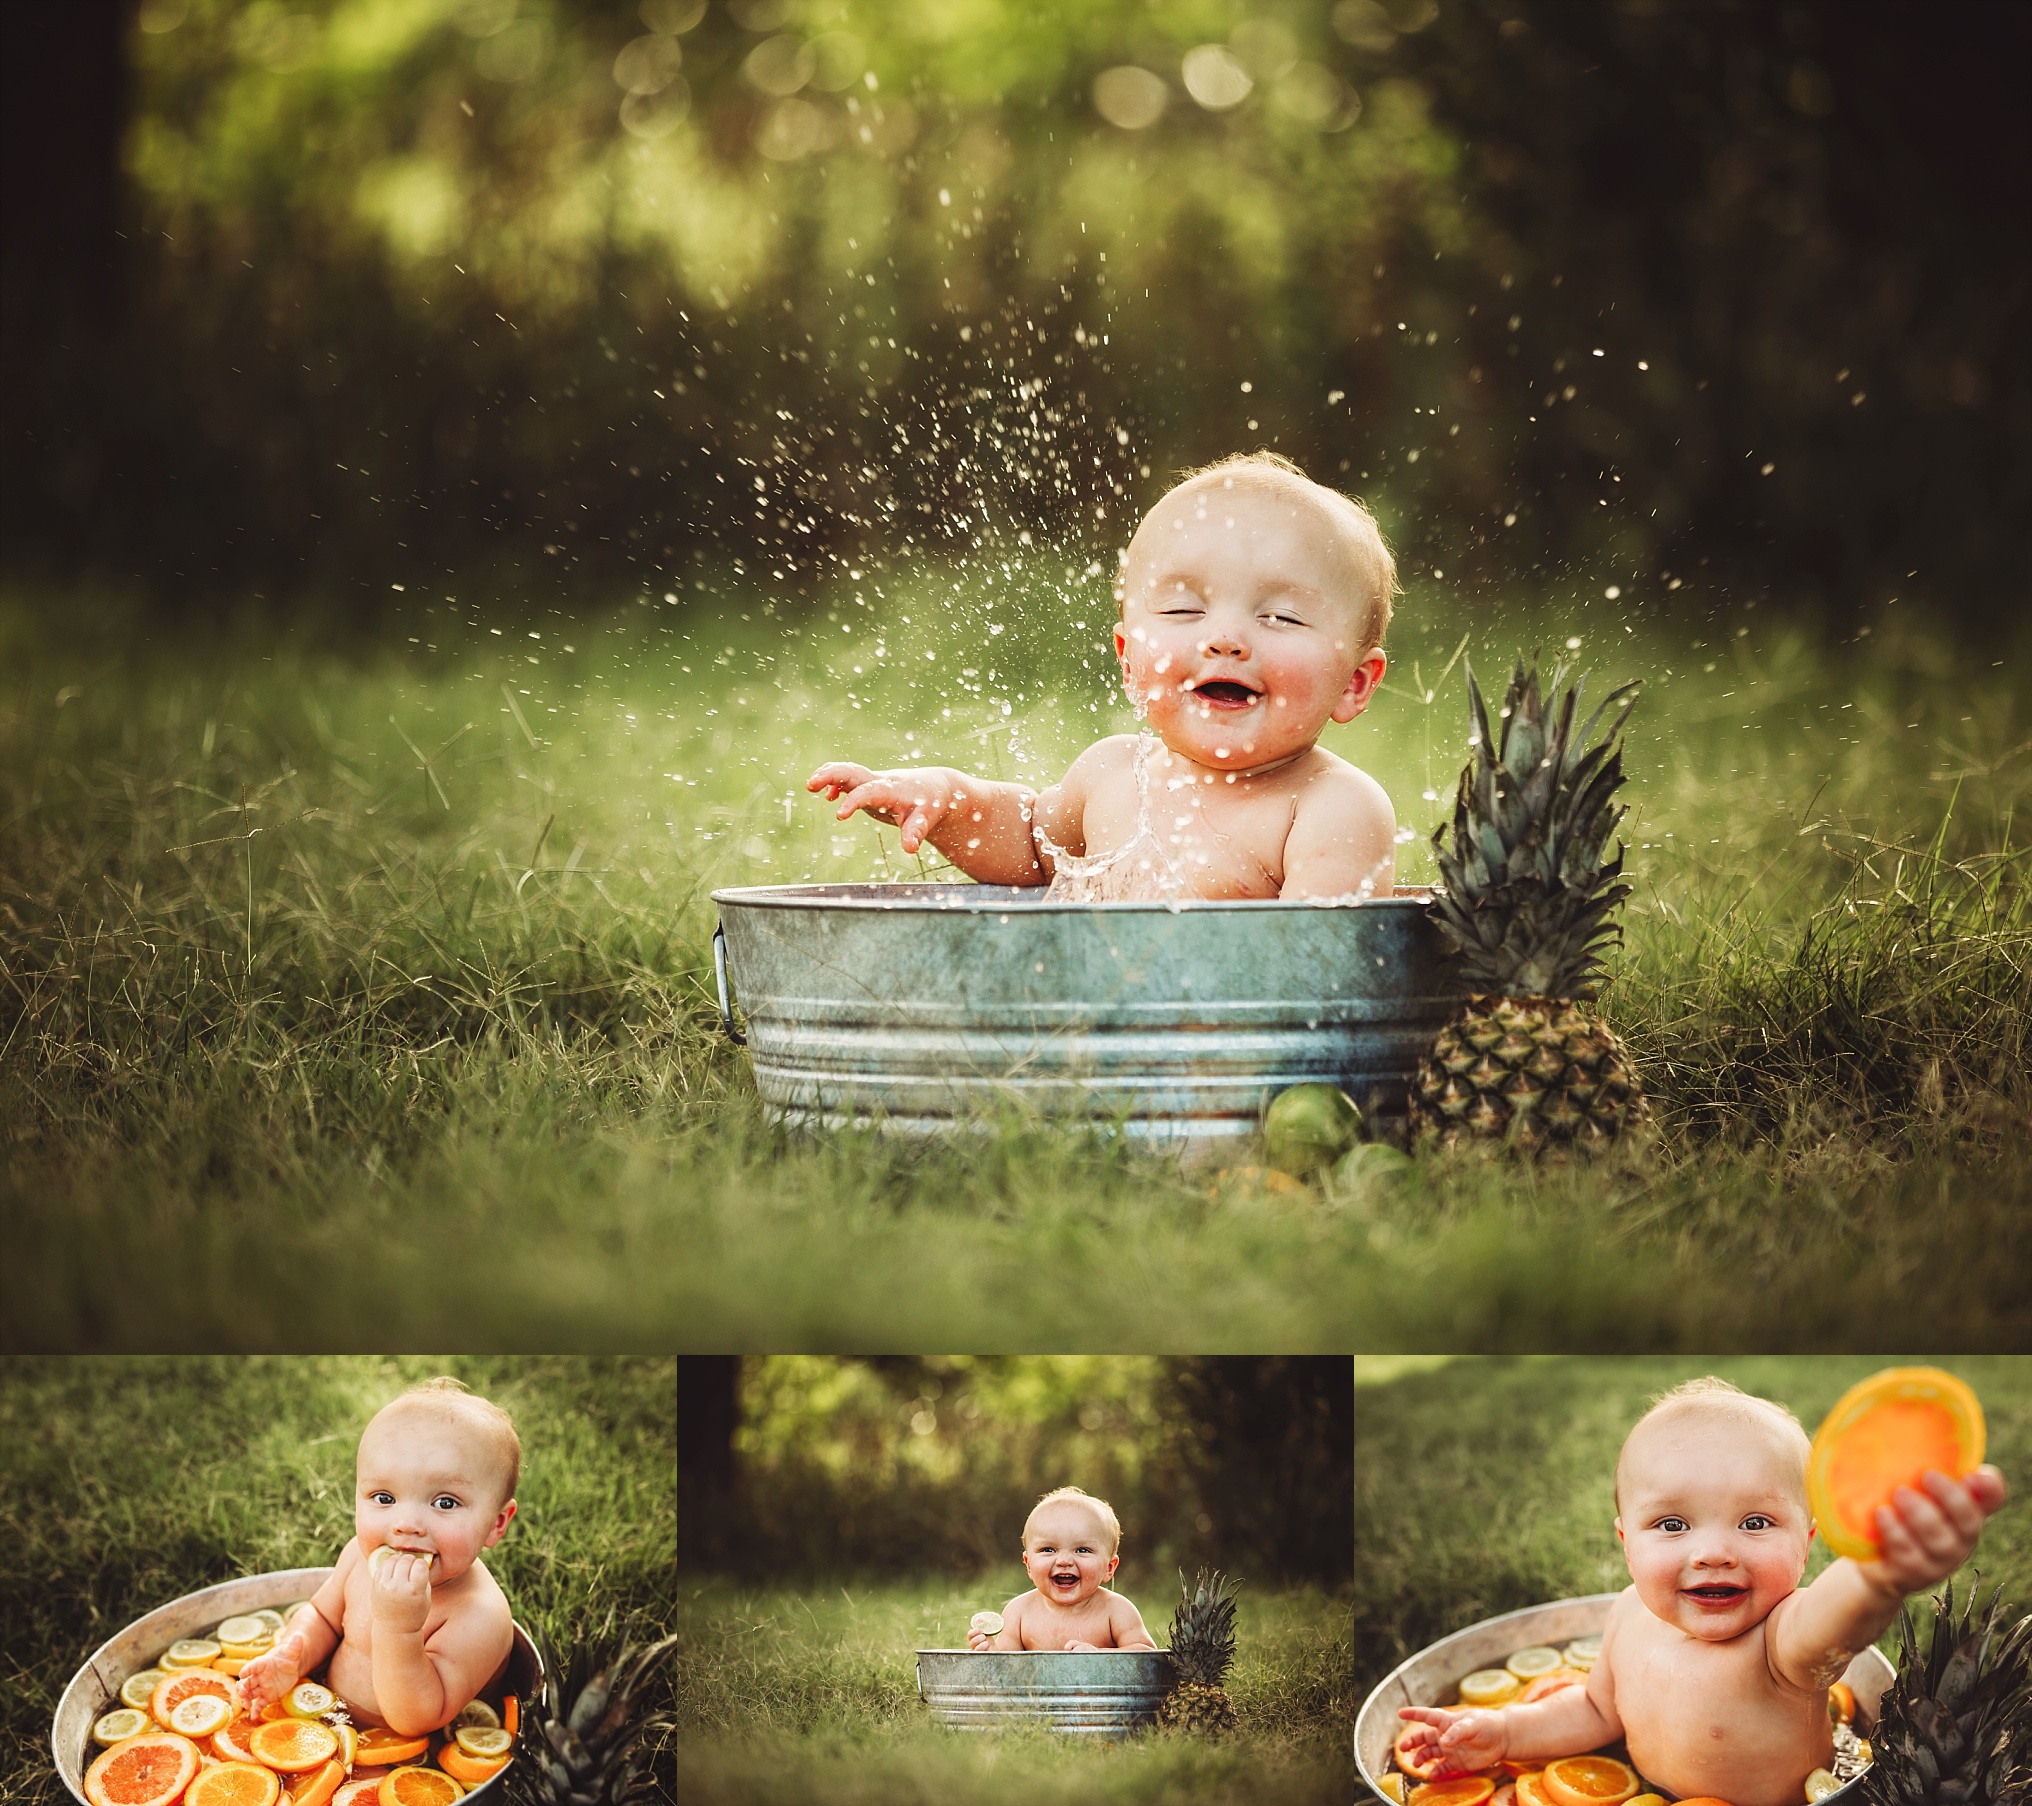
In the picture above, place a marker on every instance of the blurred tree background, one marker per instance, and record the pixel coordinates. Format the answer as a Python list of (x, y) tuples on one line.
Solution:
[(797, 1465), (509, 295)]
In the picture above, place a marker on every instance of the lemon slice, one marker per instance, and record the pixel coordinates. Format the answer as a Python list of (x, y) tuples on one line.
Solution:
[(246, 1652), (1820, 1784), (309, 1700), (1529, 1664), (484, 1740), (386, 1553), (1392, 1786), (243, 1632), (200, 1715), (139, 1689), (119, 1725), (989, 1624), (1489, 1687), (477, 1712), (190, 1652), (349, 1746), (270, 1617)]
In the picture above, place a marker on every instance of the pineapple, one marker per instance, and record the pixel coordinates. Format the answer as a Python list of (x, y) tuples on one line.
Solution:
[(1956, 1724), (1526, 909), (1202, 1650), (579, 1737)]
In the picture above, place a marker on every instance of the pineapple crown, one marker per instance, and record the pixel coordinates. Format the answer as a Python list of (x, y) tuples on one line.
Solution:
[(1203, 1629), (580, 1737), (1956, 1723), (1529, 895)]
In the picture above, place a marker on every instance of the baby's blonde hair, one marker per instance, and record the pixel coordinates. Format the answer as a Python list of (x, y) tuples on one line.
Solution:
[(1099, 1507), (1717, 1397), (1372, 554), (450, 1398)]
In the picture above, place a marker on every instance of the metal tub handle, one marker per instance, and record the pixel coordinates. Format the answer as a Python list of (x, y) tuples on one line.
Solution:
[(720, 974)]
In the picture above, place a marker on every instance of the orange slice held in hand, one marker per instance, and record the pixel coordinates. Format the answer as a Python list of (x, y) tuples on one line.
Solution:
[(234, 1784), (1590, 1781), (1886, 1433), (294, 1745), (151, 1770)]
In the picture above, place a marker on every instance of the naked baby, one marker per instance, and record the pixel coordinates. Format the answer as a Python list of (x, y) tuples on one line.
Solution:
[(1716, 1662), (1071, 1548), (1252, 608), (414, 1625)]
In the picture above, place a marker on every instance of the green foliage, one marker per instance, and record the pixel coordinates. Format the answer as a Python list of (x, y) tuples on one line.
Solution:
[(126, 1484), (786, 1695), (459, 978)]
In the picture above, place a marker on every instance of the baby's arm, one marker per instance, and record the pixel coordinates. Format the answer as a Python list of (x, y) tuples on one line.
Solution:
[(1010, 1636), (1125, 1624), (1343, 837), (312, 1633), (982, 826), (1474, 1737), (1926, 1536), (420, 1685)]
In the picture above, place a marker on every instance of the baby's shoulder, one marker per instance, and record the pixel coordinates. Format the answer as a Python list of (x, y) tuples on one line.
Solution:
[(1327, 783), (1116, 753)]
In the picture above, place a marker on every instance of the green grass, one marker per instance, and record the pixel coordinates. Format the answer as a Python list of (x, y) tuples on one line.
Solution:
[(125, 1484), (347, 995), (811, 1696), (1487, 1485)]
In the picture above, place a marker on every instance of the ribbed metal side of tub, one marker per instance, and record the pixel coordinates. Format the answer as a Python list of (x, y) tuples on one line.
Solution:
[(920, 1003), (1088, 1693)]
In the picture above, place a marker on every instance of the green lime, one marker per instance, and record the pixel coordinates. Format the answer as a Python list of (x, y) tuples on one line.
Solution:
[(1309, 1127)]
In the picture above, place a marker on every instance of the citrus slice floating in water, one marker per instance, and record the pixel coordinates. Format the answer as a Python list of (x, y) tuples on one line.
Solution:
[(1392, 1786), (475, 1711), (174, 1689), (190, 1652), (364, 1792), (483, 1740), (317, 1788), (200, 1715), (472, 1770), (1531, 1789), (120, 1724), (309, 1700), (1489, 1687), (1583, 1652), (1419, 1768), (1886, 1433), (143, 1771), (139, 1689), (270, 1617), (381, 1748), (243, 1632), (235, 1784), (231, 1744), (1464, 1790), (294, 1745), (1529, 1664), (419, 1787), (1819, 1785), (1590, 1781)]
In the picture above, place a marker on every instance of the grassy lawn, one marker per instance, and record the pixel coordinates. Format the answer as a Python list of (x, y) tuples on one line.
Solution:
[(343, 995), (126, 1484), (1483, 1486), (811, 1696)]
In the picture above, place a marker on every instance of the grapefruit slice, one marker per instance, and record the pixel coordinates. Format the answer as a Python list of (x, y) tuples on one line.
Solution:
[(234, 1784), (419, 1787), (1551, 1683), (1465, 1790), (294, 1745), (1886, 1433), (1590, 1781), (144, 1771), (230, 1745), (364, 1792), (191, 1684)]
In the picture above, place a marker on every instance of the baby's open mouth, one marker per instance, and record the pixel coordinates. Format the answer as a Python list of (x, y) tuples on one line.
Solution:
[(1224, 694), (1718, 1593), (1068, 1581)]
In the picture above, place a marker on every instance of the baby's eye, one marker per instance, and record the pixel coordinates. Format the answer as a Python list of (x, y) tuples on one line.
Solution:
[(382, 1498), (445, 1502), (1672, 1526), (1758, 1521)]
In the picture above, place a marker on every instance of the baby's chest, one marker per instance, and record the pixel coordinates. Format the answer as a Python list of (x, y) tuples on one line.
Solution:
[(1695, 1693), (1205, 836)]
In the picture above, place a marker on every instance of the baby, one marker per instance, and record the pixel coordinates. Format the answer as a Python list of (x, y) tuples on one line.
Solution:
[(1071, 1547), (1252, 608), (1715, 1664), (415, 1627)]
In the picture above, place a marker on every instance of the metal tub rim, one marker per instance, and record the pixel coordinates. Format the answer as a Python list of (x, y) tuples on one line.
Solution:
[(1869, 1672), (1104, 1693), (945, 895), (96, 1685)]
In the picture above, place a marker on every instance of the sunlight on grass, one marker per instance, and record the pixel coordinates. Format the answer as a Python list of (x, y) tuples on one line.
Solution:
[(299, 951)]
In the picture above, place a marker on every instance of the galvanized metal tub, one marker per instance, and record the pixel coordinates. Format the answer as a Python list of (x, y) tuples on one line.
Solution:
[(1431, 1675), (95, 1688), (1105, 1693), (919, 1005)]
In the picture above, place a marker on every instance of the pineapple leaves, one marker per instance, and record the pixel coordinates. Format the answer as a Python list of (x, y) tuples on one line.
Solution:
[(586, 1721), (1528, 890)]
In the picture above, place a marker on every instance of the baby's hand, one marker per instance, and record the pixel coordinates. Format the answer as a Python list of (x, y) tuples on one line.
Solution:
[(915, 801), (1075, 1643), (1463, 1741), (268, 1678), (1927, 1535), (401, 1590)]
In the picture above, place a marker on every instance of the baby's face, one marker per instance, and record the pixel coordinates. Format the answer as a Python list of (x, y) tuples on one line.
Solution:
[(1243, 627), (430, 1484), (1714, 1520), (1067, 1554)]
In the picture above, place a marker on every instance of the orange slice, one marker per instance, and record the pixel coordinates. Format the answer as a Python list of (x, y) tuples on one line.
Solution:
[(1425, 1768), (364, 1792), (1467, 1790), (144, 1771), (177, 1688), (472, 1770), (1590, 1781), (1704, 1799), (381, 1748), (1506, 1795), (1884, 1434), (234, 1784), (294, 1745), (230, 1745), (419, 1787), (315, 1788), (1841, 1702), (1531, 1790), (1551, 1683), (511, 1715)]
